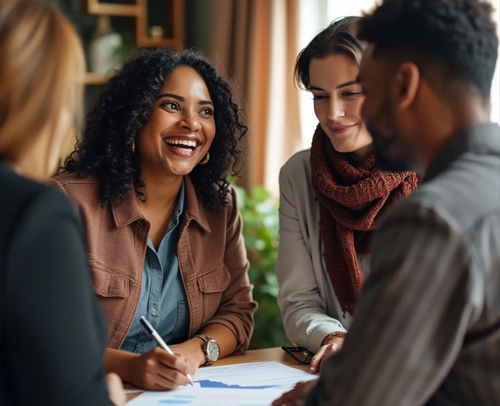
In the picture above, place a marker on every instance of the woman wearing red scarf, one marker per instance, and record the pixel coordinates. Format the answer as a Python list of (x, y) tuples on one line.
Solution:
[(332, 198)]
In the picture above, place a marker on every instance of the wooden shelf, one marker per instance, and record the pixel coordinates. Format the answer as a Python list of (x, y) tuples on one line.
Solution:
[(139, 11), (125, 10), (92, 78), (158, 43)]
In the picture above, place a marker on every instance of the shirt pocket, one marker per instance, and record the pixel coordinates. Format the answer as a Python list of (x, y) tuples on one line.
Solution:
[(108, 284), (182, 322), (212, 285), (214, 280)]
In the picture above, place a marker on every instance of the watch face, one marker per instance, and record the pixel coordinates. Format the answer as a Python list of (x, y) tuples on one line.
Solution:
[(213, 350)]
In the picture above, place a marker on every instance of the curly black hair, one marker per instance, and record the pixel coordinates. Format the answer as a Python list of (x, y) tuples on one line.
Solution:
[(105, 149), (457, 37)]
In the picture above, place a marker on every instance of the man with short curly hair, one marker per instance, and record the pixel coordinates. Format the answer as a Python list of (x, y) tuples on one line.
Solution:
[(426, 329)]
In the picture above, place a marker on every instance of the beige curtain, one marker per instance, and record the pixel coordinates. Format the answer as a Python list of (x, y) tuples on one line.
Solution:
[(254, 42)]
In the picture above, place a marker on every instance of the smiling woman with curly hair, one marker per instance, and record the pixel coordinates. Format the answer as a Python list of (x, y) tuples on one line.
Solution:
[(150, 177), (106, 149)]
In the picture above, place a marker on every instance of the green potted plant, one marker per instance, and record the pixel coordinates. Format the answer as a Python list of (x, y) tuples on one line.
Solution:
[(259, 210)]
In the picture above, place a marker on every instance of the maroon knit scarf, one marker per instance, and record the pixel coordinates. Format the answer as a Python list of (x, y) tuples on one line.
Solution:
[(351, 201)]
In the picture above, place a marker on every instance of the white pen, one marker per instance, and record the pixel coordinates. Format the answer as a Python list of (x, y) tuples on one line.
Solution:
[(153, 333)]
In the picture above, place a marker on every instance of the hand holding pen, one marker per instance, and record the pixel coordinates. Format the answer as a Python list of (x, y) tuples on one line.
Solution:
[(170, 363)]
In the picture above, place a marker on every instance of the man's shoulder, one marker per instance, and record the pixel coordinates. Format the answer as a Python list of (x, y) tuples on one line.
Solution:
[(466, 192)]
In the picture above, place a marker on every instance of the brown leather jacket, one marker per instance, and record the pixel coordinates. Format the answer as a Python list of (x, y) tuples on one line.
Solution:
[(211, 251)]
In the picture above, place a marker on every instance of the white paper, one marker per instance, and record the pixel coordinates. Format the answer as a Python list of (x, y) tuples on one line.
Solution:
[(251, 384), (207, 397), (133, 390), (254, 375)]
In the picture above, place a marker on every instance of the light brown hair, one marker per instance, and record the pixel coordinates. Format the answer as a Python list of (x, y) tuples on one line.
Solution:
[(41, 73), (338, 38)]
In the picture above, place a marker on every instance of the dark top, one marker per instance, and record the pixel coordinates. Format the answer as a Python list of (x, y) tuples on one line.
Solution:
[(52, 334)]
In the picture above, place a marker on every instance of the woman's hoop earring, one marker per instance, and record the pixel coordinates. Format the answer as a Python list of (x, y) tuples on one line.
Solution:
[(206, 159)]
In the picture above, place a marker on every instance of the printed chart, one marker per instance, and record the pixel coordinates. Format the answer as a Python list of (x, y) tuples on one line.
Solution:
[(206, 397), (251, 384)]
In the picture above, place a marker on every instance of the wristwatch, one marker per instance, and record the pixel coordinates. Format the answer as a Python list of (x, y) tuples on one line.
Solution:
[(210, 349)]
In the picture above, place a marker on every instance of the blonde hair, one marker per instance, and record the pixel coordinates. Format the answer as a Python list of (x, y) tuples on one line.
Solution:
[(41, 73)]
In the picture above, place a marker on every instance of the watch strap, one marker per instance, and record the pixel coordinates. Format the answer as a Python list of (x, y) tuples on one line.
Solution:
[(204, 348), (204, 338)]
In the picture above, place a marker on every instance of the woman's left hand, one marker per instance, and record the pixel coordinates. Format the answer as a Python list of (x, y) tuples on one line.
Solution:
[(191, 350), (328, 348), (296, 396)]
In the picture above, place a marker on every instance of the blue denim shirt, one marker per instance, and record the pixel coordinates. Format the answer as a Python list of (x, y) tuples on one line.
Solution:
[(163, 298)]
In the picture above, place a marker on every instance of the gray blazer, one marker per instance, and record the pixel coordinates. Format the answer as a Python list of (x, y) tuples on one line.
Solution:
[(309, 307)]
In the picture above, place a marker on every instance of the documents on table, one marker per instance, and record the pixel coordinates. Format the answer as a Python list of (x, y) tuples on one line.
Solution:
[(207, 397), (251, 384), (127, 391), (254, 375)]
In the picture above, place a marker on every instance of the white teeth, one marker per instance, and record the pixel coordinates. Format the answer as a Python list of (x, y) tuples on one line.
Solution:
[(182, 142)]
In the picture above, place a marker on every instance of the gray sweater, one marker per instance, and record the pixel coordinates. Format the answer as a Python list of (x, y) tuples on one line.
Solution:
[(309, 308)]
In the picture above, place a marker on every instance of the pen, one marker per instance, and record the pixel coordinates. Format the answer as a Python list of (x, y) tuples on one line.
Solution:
[(153, 333)]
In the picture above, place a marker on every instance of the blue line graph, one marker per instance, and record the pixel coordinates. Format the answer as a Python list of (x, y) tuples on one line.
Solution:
[(215, 384), (178, 400)]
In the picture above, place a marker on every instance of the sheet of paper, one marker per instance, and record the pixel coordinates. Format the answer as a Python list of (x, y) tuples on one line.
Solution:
[(254, 375), (207, 397), (133, 391), (255, 384)]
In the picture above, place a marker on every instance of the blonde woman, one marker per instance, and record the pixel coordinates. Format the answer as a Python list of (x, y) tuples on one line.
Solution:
[(52, 331)]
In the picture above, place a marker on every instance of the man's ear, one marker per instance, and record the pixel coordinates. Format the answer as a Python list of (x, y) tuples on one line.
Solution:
[(407, 84)]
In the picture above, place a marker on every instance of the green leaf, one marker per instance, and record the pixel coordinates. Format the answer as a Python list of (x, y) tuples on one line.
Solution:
[(259, 210)]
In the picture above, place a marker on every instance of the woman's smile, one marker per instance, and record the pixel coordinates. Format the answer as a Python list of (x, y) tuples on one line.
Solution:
[(181, 127), (338, 98), (182, 146), (341, 129)]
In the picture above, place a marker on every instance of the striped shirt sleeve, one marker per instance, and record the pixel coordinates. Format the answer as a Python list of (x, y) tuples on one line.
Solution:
[(411, 318)]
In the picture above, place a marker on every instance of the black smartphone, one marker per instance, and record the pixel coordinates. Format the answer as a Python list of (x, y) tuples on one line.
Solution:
[(300, 354)]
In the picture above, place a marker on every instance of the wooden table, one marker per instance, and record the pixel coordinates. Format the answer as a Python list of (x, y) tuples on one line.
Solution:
[(268, 354)]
